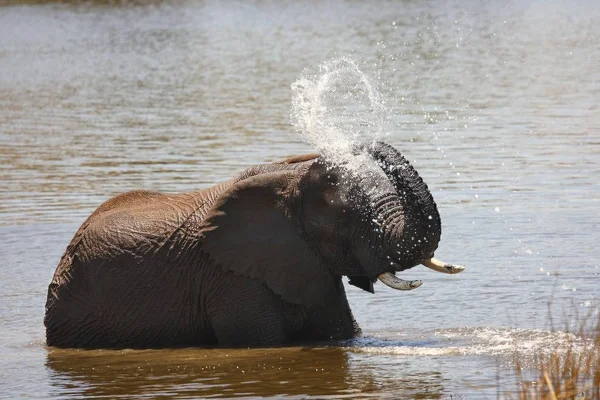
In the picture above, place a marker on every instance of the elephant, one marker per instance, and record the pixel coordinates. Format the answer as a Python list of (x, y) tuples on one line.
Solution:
[(255, 261)]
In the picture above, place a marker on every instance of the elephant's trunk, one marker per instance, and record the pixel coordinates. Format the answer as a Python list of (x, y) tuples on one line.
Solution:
[(410, 220)]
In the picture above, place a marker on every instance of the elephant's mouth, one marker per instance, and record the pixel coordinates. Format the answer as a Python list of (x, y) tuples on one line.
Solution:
[(391, 280)]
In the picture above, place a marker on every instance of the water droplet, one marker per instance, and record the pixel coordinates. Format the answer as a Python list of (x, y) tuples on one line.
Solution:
[(320, 101)]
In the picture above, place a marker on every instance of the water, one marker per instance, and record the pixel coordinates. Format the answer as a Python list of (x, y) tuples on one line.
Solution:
[(335, 108), (495, 105)]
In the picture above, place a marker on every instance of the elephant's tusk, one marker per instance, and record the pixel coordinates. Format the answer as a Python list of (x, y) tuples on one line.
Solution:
[(396, 283), (441, 266)]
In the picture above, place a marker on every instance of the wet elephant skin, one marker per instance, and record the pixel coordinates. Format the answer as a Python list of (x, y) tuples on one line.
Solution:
[(257, 260)]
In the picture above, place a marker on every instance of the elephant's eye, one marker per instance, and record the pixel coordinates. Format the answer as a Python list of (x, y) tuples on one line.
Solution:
[(332, 197)]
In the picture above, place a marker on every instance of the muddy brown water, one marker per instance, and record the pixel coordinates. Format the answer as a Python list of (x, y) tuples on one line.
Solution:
[(497, 106)]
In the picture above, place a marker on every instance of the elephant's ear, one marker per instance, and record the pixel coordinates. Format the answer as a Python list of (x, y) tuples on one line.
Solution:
[(299, 159), (252, 231)]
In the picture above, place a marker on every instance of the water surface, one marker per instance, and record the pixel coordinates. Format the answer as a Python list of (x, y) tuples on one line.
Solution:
[(495, 105)]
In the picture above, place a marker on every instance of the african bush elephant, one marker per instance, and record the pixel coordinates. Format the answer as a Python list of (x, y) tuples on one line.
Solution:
[(257, 260)]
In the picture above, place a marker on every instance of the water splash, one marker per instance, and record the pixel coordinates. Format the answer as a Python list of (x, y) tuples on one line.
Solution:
[(336, 109), (503, 342)]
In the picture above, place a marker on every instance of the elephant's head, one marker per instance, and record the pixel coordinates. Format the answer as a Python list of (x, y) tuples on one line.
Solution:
[(299, 224), (382, 221)]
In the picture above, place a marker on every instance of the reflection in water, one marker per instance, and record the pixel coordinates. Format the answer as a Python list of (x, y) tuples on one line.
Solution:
[(317, 371)]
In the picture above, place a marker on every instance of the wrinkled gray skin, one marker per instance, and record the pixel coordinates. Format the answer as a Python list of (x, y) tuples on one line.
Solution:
[(257, 260)]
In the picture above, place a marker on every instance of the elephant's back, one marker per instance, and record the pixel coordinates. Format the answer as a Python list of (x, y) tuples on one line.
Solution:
[(140, 222), (125, 267)]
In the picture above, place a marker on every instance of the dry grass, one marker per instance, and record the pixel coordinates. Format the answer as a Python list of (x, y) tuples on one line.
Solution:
[(568, 372)]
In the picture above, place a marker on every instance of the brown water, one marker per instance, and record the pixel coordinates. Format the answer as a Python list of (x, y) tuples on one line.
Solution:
[(496, 105)]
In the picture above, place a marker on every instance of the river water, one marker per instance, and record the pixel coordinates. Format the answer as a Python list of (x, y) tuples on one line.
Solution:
[(495, 103)]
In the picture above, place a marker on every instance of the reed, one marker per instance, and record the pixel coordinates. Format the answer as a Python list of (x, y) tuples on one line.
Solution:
[(568, 372)]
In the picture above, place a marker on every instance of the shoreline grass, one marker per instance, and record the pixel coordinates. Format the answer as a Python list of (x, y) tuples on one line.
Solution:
[(566, 372)]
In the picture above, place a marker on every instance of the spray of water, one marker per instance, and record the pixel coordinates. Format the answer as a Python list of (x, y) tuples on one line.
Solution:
[(336, 109)]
